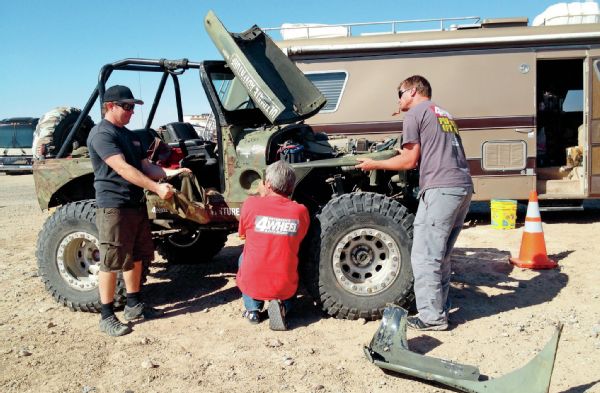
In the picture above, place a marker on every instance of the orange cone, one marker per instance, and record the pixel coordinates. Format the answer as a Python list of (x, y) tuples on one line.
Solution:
[(533, 246)]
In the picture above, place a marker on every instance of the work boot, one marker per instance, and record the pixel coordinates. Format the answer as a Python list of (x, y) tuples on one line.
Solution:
[(417, 324), (141, 310), (276, 312), (113, 327)]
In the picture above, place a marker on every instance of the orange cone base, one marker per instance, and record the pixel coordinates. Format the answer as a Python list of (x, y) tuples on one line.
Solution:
[(540, 262)]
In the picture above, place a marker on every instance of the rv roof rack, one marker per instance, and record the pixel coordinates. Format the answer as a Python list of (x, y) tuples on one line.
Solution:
[(314, 30)]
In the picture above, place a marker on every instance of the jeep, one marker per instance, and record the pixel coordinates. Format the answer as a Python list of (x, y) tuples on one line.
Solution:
[(356, 257)]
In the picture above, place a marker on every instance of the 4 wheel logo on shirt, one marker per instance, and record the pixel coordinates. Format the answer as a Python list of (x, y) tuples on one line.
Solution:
[(276, 226)]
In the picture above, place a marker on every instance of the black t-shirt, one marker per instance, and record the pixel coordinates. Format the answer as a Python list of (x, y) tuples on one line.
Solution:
[(112, 190)]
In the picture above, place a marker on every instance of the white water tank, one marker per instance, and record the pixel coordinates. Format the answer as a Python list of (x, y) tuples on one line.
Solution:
[(569, 13), (291, 31)]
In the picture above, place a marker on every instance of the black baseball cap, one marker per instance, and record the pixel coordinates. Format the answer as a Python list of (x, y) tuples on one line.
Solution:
[(118, 93)]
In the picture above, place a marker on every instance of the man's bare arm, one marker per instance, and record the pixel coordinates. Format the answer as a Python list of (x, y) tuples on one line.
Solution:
[(134, 176), (156, 172), (407, 159)]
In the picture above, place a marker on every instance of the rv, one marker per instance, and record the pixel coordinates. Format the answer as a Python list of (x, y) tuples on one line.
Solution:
[(526, 98)]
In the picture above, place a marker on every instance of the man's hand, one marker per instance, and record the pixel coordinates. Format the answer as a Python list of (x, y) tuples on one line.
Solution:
[(366, 164), (183, 170), (164, 190)]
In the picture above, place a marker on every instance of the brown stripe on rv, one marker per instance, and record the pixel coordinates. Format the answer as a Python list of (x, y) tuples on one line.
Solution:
[(465, 124), (476, 169)]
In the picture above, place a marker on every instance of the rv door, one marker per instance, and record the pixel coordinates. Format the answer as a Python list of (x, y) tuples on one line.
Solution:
[(594, 130)]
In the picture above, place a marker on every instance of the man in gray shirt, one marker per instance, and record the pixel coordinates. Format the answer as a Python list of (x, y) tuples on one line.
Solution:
[(432, 143)]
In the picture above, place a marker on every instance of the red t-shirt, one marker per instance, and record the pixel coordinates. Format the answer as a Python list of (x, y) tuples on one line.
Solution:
[(274, 226)]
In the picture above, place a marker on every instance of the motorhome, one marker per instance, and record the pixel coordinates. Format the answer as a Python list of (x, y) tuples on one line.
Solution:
[(16, 136), (526, 98)]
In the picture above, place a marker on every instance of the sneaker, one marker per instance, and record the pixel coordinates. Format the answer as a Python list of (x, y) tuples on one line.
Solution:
[(416, 324), (252, 316), (113, 327), (276, 312), (141, 310)]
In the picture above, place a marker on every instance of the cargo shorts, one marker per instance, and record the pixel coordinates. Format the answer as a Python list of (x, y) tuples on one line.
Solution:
[(125, 237)]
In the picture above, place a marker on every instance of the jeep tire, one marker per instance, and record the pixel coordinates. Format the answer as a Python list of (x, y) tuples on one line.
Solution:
[(68, 257), (364, 255)]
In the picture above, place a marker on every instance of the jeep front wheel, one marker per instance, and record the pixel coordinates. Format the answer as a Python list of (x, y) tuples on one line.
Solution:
[(364, 258), (69, 259)]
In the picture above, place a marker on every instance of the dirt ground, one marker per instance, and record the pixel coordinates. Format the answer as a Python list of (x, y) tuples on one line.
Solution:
[(502, 317)]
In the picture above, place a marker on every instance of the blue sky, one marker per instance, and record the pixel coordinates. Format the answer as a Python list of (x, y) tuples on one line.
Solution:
[(52, 50)]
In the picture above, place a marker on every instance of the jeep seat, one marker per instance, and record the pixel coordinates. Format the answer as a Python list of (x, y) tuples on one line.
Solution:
[(179, 131), (194, 147)]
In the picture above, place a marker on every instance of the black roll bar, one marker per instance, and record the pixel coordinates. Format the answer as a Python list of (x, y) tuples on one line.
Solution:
[(167, 67)]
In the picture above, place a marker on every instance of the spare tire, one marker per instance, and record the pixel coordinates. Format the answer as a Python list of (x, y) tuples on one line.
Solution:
[(54, 127)]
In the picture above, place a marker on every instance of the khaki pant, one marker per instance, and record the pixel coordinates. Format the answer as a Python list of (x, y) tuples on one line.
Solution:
[(125, 237)]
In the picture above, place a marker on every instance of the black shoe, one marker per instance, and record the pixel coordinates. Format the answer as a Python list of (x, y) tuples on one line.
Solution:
[(416, 324), (252, 316), (113, 327), (141, 310), (276, 312)]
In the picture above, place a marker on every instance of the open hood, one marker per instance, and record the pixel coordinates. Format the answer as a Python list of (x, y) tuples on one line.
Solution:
[(277, 87)]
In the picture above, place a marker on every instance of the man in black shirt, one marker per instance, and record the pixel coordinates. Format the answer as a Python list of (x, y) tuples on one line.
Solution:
[(121, 172)]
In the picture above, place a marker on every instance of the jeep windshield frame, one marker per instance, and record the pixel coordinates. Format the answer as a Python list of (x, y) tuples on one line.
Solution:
[(172, 68)]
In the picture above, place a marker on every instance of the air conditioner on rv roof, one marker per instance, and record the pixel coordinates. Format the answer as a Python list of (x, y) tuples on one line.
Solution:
[(569, 13)]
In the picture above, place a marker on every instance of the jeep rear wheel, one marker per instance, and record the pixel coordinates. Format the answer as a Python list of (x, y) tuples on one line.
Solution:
[(69, 259), (192, 246), (364, 257)]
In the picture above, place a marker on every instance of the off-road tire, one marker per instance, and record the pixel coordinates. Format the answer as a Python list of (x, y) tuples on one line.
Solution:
[(54, 127), (199, 247), (72, 230), (364, 248)]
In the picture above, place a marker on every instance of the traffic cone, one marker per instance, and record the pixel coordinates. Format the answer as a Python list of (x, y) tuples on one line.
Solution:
[(533, 246)]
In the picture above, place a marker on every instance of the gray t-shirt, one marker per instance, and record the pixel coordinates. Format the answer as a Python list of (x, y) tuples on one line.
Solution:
[(112, 190), (443, 162)]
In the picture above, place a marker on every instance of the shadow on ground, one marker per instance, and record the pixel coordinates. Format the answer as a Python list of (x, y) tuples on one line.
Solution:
[(194, 287), (189, 288), (475, 268), (581, 388)]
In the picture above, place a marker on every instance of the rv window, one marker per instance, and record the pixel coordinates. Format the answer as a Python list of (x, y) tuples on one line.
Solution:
[(573, 101), (597, 69), (331, 84)]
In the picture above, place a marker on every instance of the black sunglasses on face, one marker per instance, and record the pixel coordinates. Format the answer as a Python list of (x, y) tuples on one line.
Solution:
[(126, 107), (400, 92)]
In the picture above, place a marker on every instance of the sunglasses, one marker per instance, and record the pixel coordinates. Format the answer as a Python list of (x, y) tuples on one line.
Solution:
[(400, 92), (126, 107)]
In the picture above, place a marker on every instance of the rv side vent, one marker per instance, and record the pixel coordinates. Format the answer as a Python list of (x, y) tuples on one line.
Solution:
[(504, 22), (504, 155), (331, 84)]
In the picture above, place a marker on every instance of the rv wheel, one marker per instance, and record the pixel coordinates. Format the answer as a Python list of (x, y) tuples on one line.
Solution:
[(68, 257), (364, 257)]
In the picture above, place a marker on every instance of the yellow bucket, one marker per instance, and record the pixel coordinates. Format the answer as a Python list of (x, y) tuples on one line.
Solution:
[(504, 213)]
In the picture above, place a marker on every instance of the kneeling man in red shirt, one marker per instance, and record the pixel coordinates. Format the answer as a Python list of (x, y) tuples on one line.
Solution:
[(273, 226)]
